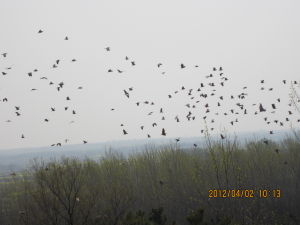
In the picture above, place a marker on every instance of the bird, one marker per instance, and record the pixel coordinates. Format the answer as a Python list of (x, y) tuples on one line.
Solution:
[(163, 132), (4, 54), (124, 132), (84, 141), (80, 88), (177, 139), (18, 114), (61, 84), (22, 136), (126, 93), (107, 49), (73, 60), (142, 127), (3, 73), (159, 65), (182, 66), (110, 71), (148, 135), (261, 109), (73, 112), (133, 63), (17, 107), (68, 98), (29, 74), (46, 120), (222, 136), (66, 38), (120, 71), (40, 31)]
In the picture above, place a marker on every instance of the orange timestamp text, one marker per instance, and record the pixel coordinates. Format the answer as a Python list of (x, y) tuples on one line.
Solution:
[(244, 193)]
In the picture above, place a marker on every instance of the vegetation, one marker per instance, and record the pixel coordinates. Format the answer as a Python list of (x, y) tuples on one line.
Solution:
[(160, 186)]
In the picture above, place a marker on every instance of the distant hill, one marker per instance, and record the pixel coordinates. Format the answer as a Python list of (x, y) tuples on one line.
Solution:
[(18, 159)]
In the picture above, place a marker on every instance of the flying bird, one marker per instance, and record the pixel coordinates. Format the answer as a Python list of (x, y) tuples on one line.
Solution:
[(261, 109), (163, 132), (126, 93)]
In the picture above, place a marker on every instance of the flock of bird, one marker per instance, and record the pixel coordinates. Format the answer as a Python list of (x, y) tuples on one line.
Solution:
[(204, 101)]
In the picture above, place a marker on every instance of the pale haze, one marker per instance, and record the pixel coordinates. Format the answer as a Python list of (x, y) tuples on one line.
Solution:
[(251, 41)]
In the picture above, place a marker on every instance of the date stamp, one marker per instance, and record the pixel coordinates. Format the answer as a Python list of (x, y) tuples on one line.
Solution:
[(244, 193)]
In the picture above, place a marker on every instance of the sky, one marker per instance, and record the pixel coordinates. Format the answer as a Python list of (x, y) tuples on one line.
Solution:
[(251, 41)]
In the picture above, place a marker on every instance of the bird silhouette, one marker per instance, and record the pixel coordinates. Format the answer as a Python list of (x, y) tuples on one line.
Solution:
[(126, 93), (124, 132), (4, 54), (182, 66), (40, 31), (261, 109), (163, 132)]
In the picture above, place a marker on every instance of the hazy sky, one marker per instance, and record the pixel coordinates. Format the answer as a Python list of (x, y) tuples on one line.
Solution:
[(251, 40)]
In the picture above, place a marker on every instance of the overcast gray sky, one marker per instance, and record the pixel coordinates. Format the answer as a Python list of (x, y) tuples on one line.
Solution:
[(251, 40)]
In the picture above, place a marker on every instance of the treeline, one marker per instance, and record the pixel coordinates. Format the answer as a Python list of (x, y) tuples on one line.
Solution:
[(160, 186)]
